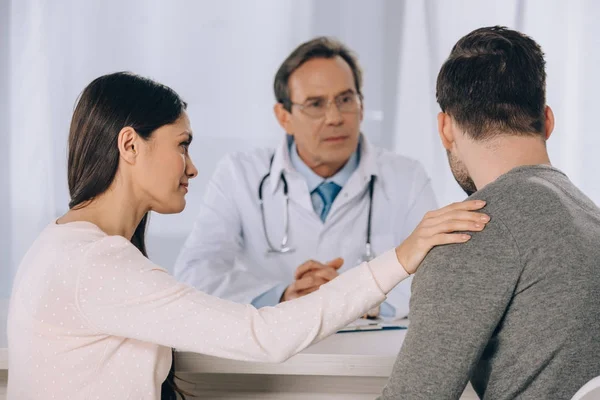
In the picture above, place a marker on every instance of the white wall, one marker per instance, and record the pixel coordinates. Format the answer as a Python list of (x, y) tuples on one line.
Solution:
[(5, 222), (221, 56)]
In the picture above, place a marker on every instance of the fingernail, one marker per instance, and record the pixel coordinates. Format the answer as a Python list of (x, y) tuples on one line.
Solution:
[(478, 226), (466, 237), (485, 218), (481, 203)]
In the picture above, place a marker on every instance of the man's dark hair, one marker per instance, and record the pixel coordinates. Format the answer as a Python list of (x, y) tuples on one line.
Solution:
[(321, 47), (494, 82)]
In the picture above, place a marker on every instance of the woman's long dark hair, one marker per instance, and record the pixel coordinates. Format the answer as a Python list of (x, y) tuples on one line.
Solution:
[(107, 105)]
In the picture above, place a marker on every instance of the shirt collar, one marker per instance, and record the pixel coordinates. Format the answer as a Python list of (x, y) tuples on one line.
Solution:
[(312, 179), (365, 159)]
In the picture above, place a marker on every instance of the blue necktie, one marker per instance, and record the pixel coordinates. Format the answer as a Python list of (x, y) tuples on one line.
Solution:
[(327, 191)]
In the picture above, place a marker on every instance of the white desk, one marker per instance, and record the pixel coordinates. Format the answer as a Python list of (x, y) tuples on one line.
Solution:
[(349, 366), (3, 348)]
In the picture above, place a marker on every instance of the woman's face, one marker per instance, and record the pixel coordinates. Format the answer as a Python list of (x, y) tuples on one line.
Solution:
[(165, 167)]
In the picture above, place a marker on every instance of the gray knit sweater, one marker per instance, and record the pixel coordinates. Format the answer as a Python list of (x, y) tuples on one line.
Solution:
[(517, 308)]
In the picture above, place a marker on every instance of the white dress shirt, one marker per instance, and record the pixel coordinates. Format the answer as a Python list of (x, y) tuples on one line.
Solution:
[(313, 180)]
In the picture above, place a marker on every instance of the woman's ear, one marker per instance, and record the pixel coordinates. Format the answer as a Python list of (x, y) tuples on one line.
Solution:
[(127, 141)]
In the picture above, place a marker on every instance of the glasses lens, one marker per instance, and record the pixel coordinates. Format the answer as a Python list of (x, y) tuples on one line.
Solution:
[(347, 103), (315, 111)]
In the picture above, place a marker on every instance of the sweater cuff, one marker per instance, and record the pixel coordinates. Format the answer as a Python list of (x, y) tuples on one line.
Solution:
[(387, 270)]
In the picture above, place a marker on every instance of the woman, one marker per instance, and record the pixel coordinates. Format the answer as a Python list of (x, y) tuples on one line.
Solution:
[(91, 317)]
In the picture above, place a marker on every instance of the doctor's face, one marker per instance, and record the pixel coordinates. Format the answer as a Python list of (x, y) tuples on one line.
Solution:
[(326, 115)]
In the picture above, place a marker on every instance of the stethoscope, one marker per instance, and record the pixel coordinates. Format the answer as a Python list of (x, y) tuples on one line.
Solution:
[(284, 248)]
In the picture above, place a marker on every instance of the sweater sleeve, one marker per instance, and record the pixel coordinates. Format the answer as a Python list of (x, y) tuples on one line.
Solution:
[(120, 292)]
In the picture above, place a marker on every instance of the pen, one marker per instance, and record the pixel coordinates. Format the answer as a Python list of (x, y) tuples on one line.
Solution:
[(370, 327)]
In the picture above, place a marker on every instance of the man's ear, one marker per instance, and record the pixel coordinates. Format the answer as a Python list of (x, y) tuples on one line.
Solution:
[(284, 117), (128, 141), (445, 130), (548, 122)]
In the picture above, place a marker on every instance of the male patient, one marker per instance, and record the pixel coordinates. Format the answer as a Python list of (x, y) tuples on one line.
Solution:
[(516, 309)]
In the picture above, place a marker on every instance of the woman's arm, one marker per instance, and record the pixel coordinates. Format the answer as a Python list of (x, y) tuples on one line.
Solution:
[(122, 293)]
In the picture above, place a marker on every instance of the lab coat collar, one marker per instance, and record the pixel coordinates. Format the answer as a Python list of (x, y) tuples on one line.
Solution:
[(367, 166), (281, 163)]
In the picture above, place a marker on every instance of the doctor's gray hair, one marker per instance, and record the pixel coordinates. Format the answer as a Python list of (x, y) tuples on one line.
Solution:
[(320, 47)]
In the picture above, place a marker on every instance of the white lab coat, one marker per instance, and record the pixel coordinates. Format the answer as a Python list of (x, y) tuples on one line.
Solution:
[(226, 253)]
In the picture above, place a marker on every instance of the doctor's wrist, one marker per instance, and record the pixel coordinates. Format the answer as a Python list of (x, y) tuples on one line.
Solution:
[(283, 295)]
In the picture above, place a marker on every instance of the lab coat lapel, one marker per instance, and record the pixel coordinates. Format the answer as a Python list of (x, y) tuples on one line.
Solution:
[(297, 188)]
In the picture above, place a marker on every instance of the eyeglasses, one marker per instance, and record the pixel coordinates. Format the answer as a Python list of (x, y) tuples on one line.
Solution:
[(347, 103)]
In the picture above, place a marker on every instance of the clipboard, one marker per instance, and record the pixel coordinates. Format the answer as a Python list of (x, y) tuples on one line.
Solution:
[(370, 327)]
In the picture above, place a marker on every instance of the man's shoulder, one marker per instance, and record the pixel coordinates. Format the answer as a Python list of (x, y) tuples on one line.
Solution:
[(492, 254), (527, 190)]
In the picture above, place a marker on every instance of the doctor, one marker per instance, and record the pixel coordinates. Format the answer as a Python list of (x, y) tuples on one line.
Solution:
[(277, 224)]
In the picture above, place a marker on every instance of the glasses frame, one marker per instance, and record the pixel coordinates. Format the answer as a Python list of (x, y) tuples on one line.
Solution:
[(357, 97)]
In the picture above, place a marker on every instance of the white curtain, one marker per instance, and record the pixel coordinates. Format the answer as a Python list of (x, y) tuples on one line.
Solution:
[(568, 35), (221, 56), (5, 208)]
